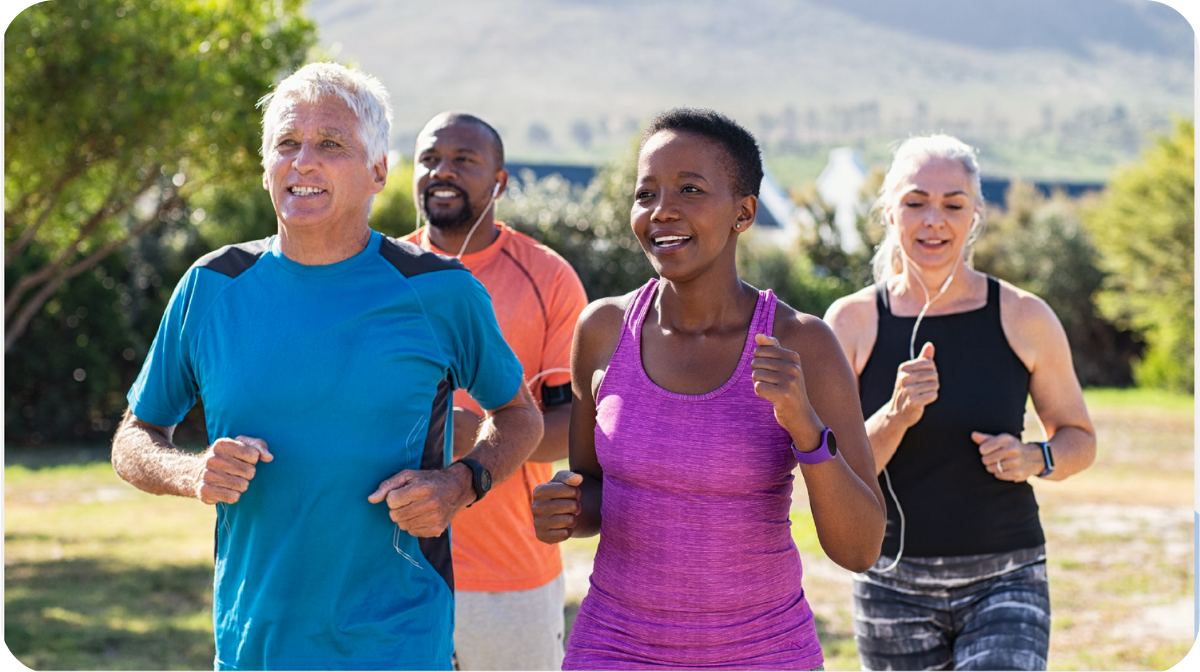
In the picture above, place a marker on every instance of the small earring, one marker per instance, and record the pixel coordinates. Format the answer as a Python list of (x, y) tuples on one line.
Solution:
[(738, 227)]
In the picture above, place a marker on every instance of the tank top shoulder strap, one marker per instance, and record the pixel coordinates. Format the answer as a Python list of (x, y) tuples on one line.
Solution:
[(883, 302), (764, 316), (636, 311), (993, 298)]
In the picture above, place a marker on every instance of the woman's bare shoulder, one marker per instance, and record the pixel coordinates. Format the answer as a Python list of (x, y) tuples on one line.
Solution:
[(797, 330), (1024, 310), (606, 311), (1032, 329), (599, 326), (853, 313)]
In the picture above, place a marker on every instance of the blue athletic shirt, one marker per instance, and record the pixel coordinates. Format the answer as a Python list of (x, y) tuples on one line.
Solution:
[(346, 371)]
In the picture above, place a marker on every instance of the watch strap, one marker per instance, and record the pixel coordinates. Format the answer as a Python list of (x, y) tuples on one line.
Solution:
[(481, 479), (824, 452), (1048, 456)]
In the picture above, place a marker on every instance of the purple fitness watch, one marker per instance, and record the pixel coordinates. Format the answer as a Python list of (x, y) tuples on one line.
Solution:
[(826, 451)]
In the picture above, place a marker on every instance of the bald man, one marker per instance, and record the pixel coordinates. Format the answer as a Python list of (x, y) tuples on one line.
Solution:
[(509, 599)]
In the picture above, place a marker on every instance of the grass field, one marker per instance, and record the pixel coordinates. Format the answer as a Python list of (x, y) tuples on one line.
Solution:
[(101, 576)]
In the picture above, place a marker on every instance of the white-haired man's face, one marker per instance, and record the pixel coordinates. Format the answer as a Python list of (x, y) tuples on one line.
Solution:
[(316, 167)]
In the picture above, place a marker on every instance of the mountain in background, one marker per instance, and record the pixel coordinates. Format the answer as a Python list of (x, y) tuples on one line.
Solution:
[(1050, 89)]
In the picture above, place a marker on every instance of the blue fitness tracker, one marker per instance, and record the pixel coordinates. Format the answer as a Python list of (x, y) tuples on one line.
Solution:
[(1049, 457)]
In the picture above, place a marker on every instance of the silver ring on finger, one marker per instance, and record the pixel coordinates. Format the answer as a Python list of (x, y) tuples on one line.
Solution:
[(1000, 466)]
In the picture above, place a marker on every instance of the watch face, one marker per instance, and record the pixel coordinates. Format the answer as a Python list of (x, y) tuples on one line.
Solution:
[(831, 441), (485, 480)]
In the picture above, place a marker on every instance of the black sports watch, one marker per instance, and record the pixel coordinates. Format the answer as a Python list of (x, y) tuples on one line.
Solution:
[(481, 478)]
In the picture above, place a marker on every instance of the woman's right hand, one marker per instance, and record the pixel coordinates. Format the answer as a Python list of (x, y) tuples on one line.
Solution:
[(916, 387), (556, 506)]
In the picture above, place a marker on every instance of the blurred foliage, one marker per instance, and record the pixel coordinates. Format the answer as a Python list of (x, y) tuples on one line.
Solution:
[(132, 145), (1144, 229), (588, 226), (1040, 244), (116, 113), (394, 212), (815, 271)]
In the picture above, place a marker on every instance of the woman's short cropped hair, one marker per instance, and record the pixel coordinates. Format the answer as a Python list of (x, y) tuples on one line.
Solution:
[(363, 93), (745, 160), (908, 157)]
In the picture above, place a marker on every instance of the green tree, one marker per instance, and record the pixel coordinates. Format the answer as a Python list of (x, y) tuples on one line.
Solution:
[(1144, 229), (86, 116), (117, 114)]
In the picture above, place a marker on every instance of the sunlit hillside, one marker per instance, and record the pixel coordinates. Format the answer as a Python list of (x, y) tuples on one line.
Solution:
[(1059, 89)]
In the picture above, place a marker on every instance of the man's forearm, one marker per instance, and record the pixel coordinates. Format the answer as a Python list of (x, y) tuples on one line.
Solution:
[(144, 457), (507, 438)]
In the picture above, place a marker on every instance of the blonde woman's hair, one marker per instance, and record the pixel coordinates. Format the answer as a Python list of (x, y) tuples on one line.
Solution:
[(888, 260), (363, 93)]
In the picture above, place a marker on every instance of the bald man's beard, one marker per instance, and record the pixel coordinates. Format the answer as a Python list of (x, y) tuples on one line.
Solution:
[(448, 221)]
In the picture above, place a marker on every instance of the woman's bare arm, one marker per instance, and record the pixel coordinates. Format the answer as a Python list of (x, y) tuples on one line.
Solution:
[(1037, 337), (569, 506), (847, 504)]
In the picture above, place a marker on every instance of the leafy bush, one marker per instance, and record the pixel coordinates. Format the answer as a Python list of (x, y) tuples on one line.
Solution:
[(394, 211), (1144, 229), (588, 226)]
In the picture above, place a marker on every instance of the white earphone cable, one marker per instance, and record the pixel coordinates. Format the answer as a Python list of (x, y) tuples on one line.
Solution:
[(421, 223), (912, 354)]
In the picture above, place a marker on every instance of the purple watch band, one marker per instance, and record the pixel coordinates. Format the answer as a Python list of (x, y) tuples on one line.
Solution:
[(824, 452)]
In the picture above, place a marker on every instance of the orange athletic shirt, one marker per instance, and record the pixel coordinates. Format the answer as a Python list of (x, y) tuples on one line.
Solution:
[(538, 298)]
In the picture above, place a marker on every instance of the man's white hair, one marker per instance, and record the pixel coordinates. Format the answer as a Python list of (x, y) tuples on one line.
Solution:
[(363, 93), (909, 156)]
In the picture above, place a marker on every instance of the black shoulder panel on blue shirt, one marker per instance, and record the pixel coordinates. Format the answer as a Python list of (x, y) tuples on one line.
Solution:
[(233, 260), (412, 260)]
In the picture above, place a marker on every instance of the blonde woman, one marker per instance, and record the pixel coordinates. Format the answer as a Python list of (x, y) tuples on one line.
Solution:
[(945, 358)]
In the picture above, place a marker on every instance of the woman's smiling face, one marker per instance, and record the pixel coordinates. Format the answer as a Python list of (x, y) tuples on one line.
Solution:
[(933, 211), (684, 208)]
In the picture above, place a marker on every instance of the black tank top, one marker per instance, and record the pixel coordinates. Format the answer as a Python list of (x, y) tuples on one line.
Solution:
[(952, 505)]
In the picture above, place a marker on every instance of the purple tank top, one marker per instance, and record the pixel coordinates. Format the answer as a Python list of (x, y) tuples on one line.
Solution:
[(696, 565)]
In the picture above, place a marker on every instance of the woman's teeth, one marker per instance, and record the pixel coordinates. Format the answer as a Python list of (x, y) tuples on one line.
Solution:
[(670, 241)]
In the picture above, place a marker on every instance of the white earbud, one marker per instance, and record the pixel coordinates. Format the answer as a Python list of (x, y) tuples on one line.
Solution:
[(496, 191)]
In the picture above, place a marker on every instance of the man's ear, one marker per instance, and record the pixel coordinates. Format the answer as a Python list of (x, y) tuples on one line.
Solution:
[(501, 182), (379, 173)]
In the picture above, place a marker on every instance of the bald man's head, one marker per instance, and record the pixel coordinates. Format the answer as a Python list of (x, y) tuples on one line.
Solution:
[(446, 119)]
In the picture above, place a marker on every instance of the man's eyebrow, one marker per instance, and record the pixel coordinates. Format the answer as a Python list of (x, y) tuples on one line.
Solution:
[(333, 134)]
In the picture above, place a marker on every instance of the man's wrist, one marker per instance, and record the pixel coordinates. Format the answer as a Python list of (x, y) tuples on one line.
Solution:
[(463, 479)]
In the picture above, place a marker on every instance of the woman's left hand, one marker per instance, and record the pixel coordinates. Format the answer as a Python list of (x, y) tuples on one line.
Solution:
[(1007, 458), (779, 379)]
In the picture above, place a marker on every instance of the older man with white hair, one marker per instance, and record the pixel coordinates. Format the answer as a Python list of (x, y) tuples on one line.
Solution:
[(326, 357)]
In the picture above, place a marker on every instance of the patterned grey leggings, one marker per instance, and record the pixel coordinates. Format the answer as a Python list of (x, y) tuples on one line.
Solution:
[(972, 612)]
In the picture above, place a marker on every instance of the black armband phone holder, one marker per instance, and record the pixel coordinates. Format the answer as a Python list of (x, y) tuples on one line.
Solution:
[(556, 396)]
